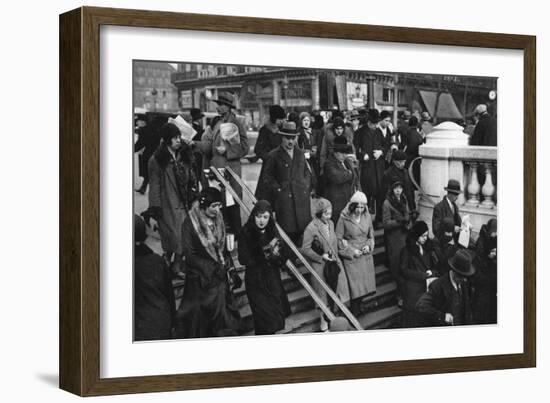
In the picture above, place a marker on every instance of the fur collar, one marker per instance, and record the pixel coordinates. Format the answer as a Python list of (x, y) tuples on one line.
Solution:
[(212, 241)]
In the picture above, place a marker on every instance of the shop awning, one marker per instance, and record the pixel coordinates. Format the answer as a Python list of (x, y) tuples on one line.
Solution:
[(446, 109)]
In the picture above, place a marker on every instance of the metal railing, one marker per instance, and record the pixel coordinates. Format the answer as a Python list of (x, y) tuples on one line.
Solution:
[(352, 319)]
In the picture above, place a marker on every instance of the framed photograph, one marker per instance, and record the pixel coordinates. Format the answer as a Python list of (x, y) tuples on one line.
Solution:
[(249, 201)]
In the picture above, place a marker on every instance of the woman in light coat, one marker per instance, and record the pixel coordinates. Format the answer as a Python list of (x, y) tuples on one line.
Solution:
[(355, 235), (320, 231)]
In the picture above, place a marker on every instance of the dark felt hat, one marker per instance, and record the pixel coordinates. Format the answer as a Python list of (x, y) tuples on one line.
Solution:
[(419, 228), (289, 129), (341, 145), (373, 115), (196, 114), (168, 131), (461, 262), (399, 155), (225, 98), (453, 186), (276, 112)]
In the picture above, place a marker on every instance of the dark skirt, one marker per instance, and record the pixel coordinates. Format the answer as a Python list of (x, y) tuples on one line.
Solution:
[(208, 311), (267, 297)]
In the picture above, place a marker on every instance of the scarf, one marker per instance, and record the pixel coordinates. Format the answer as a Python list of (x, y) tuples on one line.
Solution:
[(398, 204), (212, 239)]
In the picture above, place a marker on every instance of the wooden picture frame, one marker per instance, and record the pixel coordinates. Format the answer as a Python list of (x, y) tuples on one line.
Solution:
[(80, 200)]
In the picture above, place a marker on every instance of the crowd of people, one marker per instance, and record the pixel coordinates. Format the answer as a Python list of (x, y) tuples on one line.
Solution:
[(328, 185)]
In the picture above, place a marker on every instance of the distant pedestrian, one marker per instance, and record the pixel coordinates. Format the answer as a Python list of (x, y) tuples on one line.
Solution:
[(485, 132), (269, 138), (414, 140), (147, 142), (340, 177), (425, 123)]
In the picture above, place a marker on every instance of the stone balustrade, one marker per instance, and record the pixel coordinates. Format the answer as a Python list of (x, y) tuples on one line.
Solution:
[(447, 155)]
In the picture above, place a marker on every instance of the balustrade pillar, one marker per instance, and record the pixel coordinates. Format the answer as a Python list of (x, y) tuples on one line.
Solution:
[(488, 189), (473, 187)]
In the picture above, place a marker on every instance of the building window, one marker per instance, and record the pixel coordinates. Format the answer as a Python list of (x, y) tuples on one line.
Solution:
[(387, 95), (401, 97)]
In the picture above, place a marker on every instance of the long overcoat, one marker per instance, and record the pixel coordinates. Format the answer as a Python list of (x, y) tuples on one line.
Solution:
[(170, 195), (288, 183), (208, 308), (313, 231), (268, 139), (352, 236), (395, 222), (371, 171), (264, 287), (340, 183)]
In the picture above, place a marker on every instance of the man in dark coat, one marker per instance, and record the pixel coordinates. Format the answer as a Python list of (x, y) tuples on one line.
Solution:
[(154, 305), (196, 123), (268, 139), (485, 132), (450, 299), (369, 146), (148, 141), (288, 182), (397, 173), (340, 178), (414, 141), (447, 208)]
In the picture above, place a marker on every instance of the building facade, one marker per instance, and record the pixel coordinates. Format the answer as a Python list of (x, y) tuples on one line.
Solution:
[(153, 90)]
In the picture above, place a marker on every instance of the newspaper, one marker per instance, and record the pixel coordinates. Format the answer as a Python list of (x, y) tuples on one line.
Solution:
[(186, 130)]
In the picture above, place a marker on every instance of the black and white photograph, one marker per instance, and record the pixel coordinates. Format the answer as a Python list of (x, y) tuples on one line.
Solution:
[(277, 200)]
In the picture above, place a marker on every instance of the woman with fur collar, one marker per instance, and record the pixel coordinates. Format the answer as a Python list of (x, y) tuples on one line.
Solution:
[(207, 308), (355, 235), (264, 255)]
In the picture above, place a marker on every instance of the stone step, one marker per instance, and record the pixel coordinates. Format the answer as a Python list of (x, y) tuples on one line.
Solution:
[(381, 319)]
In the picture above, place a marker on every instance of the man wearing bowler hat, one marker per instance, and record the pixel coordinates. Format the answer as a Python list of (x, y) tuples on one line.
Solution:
[(447, 208), (288, 182), (450, 299), (226, 152)]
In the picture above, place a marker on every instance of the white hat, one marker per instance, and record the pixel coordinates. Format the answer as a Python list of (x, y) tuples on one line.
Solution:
[(358, 197)]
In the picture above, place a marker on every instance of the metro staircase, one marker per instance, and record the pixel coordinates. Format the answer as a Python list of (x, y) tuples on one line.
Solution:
[(377, 311)]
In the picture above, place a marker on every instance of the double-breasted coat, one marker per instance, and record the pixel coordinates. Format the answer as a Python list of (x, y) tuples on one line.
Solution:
[(352, 236), (340, 183), (330, 244), (288, 183)]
